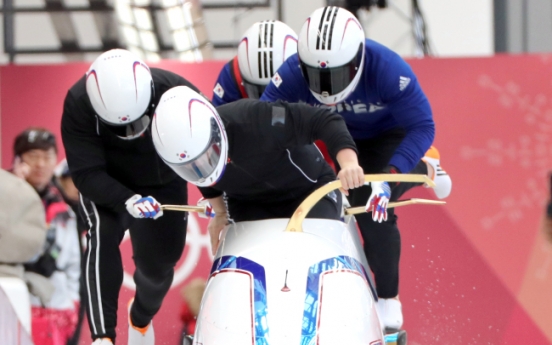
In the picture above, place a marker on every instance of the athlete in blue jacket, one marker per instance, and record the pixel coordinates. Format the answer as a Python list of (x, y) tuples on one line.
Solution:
[(389, 117), (261, 51)]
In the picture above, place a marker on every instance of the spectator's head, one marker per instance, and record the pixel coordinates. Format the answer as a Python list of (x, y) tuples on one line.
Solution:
[(331, 53), (262, 50), (120, 88), (65, 181), (36, 147)]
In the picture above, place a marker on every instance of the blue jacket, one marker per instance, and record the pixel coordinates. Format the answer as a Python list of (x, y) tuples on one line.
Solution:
[(388, 96), (227, 87)]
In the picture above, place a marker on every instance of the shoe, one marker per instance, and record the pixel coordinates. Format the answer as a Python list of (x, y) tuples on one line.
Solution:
[(437, 174), (390, 313), (137, 335), (102, 341)]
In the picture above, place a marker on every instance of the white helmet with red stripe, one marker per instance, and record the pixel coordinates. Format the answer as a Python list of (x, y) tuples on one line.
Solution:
[(120, 88), (331, 53), (188, 134), (262, 50)]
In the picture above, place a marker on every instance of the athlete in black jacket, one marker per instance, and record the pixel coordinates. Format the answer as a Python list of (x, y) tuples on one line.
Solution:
[(259, 154), (113, 163)]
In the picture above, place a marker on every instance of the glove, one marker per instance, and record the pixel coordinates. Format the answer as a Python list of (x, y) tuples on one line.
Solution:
[(378, 201), (209, 212), (147, 207)]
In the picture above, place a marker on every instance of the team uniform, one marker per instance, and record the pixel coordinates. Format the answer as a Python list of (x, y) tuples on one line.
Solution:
[(229, 85), (261, 51), (390, 119), (108, 171), (272, 162)]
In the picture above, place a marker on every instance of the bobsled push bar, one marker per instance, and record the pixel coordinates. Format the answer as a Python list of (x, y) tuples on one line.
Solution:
[(185, 208), (398, 203), (303, 209), (296, 221)]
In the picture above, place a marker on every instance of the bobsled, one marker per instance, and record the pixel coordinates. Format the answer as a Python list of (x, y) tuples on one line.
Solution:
[(292, 281)]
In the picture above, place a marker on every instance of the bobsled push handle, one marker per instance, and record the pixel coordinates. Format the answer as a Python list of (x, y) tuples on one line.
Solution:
[(296, 221)]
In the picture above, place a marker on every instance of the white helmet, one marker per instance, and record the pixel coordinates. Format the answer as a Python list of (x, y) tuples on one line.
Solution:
[(120, 88), (189, 136), (331, 53), (262, 50)]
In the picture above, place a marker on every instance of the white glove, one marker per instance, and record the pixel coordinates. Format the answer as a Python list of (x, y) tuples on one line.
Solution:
[(209, 212), (378, 201), (147, 207)]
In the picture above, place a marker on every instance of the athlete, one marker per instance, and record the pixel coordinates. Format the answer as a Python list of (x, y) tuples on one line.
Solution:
[(113, 163), (257, 158), (262, 50), (387, 114)]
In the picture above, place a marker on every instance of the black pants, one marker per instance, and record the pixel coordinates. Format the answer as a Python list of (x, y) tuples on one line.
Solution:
[(382, 241), (157, 245)]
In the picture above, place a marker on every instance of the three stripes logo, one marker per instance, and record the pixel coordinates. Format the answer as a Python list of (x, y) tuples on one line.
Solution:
[(265, 57), (326, 28), (403, 83)]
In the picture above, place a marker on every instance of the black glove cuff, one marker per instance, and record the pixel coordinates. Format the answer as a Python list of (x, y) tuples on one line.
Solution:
[(391, 170)]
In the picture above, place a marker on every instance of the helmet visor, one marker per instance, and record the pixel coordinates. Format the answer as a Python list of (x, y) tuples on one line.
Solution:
[(254, 91), (131, 130), (332, 80), (199, 169)]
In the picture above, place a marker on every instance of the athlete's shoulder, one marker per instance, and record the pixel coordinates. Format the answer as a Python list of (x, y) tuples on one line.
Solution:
[(379, 56), (226, 88), (166, 79), (78, 90), (291, 67)]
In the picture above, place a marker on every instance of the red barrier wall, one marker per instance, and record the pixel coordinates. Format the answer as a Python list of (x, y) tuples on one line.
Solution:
[(476, 271)]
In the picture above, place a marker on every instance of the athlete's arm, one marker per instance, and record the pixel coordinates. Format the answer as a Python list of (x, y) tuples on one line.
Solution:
[(225, 89), (400, 90), (217, 223), (305, 124), (86, 158)]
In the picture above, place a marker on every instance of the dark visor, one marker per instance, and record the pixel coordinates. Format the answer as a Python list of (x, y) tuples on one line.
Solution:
[(332, 80), (253, 91), (130, 130)]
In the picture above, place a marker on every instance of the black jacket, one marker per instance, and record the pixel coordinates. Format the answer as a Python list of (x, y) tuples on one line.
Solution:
[(271, 152), (105, 168)]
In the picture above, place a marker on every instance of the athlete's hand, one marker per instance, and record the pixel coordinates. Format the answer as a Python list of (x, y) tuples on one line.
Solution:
[(147, 207), (351, 174), (209, 212), (216, 224), (351, 177), (378, 201)]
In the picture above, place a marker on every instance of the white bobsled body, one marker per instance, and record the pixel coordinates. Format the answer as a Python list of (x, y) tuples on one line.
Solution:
[(271, 287)]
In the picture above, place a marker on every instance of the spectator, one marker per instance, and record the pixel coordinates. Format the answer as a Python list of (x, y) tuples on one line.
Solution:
[(22, 228), (53, 322)]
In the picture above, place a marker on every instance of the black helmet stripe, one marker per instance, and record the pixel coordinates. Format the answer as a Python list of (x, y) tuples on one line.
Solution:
[(326, 27), (332, 28), (271, 65), (260, 34), (320, 27), (271, 34), (324, 34)]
